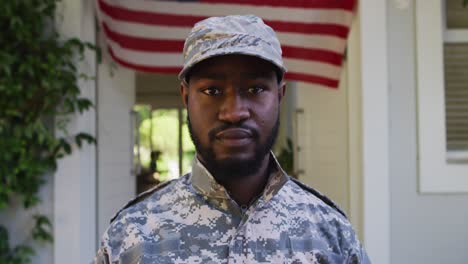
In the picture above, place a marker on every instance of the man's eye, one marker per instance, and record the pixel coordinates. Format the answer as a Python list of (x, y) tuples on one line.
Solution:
[(255, 89), (212, 91)]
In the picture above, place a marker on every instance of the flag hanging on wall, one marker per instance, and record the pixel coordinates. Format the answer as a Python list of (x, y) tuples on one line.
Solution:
[(149, 35)]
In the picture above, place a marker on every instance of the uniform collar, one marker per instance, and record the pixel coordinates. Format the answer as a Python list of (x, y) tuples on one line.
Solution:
[(205, 184)]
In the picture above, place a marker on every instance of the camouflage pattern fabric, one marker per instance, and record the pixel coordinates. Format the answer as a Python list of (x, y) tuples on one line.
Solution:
[(237, 34), (194, 220)]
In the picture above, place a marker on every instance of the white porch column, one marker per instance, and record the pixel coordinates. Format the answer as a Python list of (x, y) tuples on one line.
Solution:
[(75, 178), (375, 128)]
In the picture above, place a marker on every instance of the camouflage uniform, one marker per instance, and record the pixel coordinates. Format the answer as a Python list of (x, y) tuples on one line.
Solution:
[(194, 220)]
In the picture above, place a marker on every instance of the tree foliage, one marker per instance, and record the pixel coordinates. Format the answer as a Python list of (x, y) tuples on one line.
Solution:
[(38, 89)]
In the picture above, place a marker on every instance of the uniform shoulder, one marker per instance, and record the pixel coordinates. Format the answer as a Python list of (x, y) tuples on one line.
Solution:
[(320, 196), (145, 195)]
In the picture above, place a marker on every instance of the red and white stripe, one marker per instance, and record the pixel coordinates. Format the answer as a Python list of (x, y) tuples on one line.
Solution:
[(149, 35)]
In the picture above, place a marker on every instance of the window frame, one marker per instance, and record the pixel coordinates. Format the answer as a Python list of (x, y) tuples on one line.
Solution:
[(436, 173)]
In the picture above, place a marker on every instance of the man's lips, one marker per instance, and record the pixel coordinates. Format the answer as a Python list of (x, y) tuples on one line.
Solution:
[(235, 137), (234, 133)]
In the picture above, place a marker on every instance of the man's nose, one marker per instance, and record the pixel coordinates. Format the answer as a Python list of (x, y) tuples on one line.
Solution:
[(234, 109)]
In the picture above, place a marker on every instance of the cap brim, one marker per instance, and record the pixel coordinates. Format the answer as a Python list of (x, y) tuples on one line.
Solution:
[(221, 52)]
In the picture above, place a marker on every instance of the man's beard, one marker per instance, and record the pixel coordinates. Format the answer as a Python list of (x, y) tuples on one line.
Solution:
[(229, 169)]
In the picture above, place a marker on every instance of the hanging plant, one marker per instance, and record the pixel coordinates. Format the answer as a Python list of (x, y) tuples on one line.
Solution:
[(38, 93)]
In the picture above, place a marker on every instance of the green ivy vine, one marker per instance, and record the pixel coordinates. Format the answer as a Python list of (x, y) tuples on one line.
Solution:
[(38, 93)]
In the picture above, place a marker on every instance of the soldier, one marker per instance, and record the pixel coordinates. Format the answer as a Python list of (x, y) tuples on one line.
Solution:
[(237, 205)]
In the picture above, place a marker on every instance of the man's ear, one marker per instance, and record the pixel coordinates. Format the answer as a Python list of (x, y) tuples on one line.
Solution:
[(281, 90), (184, 92)]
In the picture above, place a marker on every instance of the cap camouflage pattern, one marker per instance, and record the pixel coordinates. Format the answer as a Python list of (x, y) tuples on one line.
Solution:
[(194, 220), (239, 34)]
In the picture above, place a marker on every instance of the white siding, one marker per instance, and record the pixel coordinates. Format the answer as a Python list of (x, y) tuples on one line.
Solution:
[(322, 138)]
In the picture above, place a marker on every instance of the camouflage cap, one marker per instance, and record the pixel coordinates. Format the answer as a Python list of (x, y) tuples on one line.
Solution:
[(238, 34)]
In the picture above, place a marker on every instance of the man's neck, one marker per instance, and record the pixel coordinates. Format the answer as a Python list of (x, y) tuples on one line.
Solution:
[(244, 190)]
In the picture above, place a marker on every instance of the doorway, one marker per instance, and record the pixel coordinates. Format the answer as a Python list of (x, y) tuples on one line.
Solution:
[(164, 150)]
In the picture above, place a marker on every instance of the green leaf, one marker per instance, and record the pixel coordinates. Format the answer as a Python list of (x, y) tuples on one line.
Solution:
[(78, 141), (86, 137), (42, 229), (30, 200), (83, 104), (66, 147)]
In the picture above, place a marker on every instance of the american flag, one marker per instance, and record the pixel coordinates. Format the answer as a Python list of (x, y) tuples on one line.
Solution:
[(149, 35)]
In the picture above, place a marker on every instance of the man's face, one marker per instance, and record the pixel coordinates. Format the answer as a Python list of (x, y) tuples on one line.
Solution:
[(233, 109)]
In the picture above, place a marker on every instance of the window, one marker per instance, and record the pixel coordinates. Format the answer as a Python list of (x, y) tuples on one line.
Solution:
[(456, 80), (442, 95)]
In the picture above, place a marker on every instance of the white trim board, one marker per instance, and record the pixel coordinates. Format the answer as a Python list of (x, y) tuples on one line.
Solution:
[(375, 128), (436, 175), (355, 128)]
